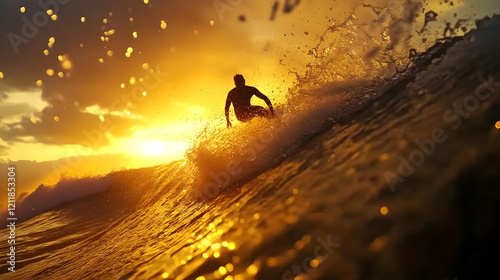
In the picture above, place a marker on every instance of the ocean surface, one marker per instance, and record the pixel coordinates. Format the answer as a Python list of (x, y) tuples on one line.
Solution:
[(392, 176)]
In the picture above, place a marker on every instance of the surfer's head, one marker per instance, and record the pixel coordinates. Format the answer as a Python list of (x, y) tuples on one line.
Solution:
[(239, 81)]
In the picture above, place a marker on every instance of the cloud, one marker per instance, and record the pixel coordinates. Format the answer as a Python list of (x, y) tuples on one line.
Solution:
[(58, 125), (4, 150), (14, 110)]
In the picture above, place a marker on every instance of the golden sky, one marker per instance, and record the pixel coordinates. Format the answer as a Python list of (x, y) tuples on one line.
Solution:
[(141, 78), (130, 77)]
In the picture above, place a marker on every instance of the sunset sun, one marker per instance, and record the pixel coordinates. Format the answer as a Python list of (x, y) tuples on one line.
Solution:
[(154, 148)]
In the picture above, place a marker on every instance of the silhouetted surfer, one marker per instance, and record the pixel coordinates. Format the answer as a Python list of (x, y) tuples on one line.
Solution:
[(240, 97)]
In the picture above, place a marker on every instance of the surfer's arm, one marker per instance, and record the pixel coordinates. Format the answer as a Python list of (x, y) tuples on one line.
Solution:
[(228, 105), (266, 99)]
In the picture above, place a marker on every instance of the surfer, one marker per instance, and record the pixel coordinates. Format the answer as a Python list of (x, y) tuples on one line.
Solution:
[(240, 97)]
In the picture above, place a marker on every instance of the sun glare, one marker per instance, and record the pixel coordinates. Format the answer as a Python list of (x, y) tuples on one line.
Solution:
[(154, 148)]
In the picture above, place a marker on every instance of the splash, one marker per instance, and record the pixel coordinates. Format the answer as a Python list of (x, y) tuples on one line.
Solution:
[(347, 57), (360, 47)]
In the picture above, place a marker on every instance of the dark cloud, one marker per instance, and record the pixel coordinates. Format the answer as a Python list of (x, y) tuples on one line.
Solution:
[(10, 110), (60, 124)]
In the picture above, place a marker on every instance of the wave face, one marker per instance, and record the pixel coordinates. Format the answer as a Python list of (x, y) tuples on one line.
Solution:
[(46, 197), (300, 195)]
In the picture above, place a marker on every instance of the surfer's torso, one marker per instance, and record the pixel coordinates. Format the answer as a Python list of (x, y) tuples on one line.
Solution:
[(240, 97)]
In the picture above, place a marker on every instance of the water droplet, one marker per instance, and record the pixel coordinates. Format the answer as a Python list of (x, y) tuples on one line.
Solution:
[(252, 269)]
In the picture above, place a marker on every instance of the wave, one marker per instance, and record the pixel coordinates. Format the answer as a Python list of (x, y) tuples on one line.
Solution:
[(47, 197), (222, 158)]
